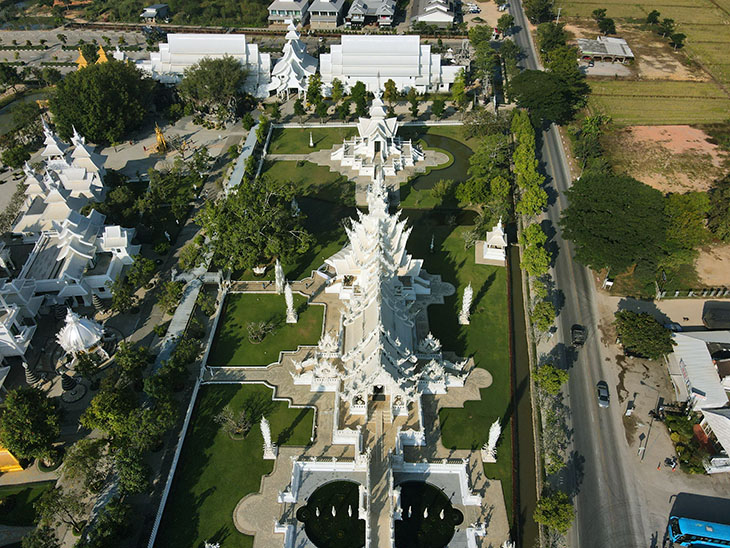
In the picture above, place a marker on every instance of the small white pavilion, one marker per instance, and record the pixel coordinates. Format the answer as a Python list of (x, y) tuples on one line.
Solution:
[(493, 249), (377, 145), (292, 71), (79, 334)]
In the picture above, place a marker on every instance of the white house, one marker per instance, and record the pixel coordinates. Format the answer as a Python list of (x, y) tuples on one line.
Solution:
[(182, 51), (434, 12), (364, 12), (326, 14), (694, 369), (375, 59), (281, 12)]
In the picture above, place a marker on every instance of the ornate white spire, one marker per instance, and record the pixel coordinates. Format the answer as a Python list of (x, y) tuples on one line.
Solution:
[(79, 334), (270, 449), (466, 305), (291, 314), (279, 277), (489, 449)]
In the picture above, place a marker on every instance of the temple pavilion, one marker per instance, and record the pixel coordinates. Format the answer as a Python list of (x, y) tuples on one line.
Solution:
[(292, 71), (377, 145)]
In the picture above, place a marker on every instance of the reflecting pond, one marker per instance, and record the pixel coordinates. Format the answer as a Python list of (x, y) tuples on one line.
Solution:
[(6, 113)]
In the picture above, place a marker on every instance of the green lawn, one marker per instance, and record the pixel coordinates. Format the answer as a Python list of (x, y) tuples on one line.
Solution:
[(296, 141), (313, 180), (215, 472), (486, 338), (21, 512), (231, 345)]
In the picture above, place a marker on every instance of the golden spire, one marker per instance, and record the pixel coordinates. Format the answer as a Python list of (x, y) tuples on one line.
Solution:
[(161, 141), (81, 60), (101, 56)]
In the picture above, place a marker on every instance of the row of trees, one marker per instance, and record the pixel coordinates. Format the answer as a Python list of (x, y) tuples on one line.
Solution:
[(665, 28)]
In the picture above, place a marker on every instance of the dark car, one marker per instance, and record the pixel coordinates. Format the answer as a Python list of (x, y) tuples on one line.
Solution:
[(602, 389), (577, 335)]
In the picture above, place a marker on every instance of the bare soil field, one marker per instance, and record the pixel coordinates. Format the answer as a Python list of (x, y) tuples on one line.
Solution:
[(668, 158), (489, 15), (713, 266)]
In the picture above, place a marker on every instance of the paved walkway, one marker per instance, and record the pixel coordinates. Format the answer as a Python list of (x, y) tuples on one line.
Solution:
[(11, 535)]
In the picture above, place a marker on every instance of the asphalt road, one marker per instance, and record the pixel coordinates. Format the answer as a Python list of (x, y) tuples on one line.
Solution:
[(600, 471)]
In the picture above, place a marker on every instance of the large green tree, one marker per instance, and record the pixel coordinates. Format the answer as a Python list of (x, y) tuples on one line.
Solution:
[(30, 424), (718, 218), (538, 11), (104, 102), (614, 221), (550, 36), (545, 95), (555, 510), (641, 335), (686, 231), (562, 61), (214, 87), (254, 224)]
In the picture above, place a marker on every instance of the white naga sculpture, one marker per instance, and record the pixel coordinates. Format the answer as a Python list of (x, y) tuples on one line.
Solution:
[(279, 277), (270, 450), (291, 314), (466, 305), (489, 449)]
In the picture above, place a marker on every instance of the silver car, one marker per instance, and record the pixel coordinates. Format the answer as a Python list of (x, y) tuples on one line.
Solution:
[(602, 389)]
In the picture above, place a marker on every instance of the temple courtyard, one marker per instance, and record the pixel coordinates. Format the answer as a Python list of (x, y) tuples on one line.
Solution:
[(376, 397)]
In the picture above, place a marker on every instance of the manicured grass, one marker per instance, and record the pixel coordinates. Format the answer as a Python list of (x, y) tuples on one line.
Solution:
[(296, 141), (486, 339), (231, 345), (341, 530), (313, 180), (24, 495), (216, 472)]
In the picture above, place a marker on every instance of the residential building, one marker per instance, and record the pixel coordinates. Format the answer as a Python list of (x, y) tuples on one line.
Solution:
[(283, 12), (695, 367), (326, 14), (374, 60), (369, 12), (155, 13), (605, 48), (440, 13), (182, 51)]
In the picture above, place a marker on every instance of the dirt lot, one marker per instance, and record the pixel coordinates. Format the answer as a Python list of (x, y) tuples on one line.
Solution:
[(655, 59), (488, 16), (668, 158), (713, 266)]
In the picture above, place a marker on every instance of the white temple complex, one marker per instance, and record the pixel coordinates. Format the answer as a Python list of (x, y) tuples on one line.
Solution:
[(377, 145), (292, 71), (376, 59), (79, 334), (182, 51)]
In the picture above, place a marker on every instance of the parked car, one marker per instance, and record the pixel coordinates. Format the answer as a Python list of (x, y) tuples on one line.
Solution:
[(577, 335), (602, 389), (673, 326)]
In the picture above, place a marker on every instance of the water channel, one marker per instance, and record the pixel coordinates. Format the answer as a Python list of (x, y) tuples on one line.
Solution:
[(525, 484), (6, 113)]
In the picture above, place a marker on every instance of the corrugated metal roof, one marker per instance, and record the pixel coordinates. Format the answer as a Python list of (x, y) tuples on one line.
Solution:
[(719, 421), (696, 362)]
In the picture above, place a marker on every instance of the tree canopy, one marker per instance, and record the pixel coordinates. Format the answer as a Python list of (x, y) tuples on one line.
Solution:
[(30, 423), (104, 102), (545, 95), (254, 224), (614, 221), (538, 11), (641, 335), (214, 87), (555, 511)]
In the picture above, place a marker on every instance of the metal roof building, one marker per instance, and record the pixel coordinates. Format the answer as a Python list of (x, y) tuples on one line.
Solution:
[(605, 48)]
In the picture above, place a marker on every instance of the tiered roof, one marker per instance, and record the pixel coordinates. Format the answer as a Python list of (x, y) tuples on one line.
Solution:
[(377, 126), (79, 334), (293, 70)]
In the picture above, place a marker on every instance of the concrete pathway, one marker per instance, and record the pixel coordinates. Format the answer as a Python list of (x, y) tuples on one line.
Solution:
[(11, 535)]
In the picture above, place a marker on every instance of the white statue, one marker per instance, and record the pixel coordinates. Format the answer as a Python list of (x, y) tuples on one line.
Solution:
[(279, 274), (316, 511), (425, 512), (489, 449), (291, 314), (311, 141), (466, 305), (433, 241), (334, 512), (212, 544), (508, 544), (270, 449), (441, 515), (349, 510)]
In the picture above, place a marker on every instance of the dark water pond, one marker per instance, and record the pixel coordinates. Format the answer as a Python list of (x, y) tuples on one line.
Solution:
[(457, 171)]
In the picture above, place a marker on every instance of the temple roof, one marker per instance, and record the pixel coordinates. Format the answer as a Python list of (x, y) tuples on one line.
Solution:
[(295, 67), (79, 334), (377, 126)]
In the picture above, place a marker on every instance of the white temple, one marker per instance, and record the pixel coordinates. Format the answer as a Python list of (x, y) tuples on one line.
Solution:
[(375, 59), (182, 51), (493, 249), (292, 71), (377, 145), (79, 334), (377, 350)]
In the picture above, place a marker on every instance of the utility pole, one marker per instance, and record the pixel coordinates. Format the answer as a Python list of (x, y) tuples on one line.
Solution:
[(558, 19)]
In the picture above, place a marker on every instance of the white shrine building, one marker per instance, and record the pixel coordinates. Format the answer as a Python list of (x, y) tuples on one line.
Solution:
[(377, 145), (291, 73), (377, 350), (493, 249), (182, 51), (376, 59)]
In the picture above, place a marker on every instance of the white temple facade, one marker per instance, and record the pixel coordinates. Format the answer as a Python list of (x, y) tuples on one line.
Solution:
[(182, 51), (375, 59), (292, 72), (493, 249), (377, 350), (79, 334), (377, 145)]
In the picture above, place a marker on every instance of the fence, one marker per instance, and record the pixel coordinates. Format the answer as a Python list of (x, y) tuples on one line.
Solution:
[(713, 292)]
